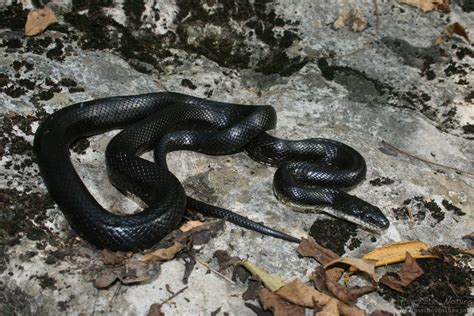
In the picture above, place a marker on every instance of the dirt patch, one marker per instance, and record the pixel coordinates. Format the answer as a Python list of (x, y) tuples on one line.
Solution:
[(416, 209), (381, 181), (442, 289), (334, 234)]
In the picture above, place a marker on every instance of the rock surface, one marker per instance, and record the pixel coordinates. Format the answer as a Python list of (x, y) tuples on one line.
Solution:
[(385, 84)]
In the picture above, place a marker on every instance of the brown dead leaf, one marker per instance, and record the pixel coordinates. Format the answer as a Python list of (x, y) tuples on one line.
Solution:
[(318, 276), (449, 31), (310, 248), (163, 254), (468, 251), (155, 310), (105, 280), (131, 272), (190, 225), (114, 258), (224, 260), (136, 271), (364, 265), (38, 20), (330, 309), (410, 271), (278, 306), (348, 295), (299, 293), (428, 5), (359, 22), (253, 289)]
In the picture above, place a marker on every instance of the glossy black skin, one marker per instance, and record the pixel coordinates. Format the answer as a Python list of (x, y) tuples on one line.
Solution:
[(166, 122)]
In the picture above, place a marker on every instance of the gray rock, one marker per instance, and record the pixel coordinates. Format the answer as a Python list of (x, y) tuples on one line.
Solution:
[(398, 89)]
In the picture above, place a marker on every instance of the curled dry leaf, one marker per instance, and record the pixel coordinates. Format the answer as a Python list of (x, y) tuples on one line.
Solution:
[(364, 265), (105, 280), (468, 251), (278, 306), (449, 31), (163, 254), (396, 252), (299, 293), (131, 272), (114, 258), (348, 295), (224, 260), (190, 225), (330, 309), (272, 282), (310, 248), (38, 20), (428, 5), (410, 271), (359, 22)]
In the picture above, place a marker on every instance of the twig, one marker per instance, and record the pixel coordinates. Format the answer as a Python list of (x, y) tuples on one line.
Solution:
[(174, 295), (215, 271), (117, 290), (425, 160)]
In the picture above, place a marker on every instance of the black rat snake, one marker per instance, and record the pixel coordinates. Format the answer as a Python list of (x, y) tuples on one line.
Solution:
[(309, 171)]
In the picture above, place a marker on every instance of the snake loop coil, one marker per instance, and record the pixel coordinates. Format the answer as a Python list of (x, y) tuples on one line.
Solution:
[(310, 172)]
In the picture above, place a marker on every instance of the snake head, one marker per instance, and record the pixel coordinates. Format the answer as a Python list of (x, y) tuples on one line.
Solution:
[(359, 212)]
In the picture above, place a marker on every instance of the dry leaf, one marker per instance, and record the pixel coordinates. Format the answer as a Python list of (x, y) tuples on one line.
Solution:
[(190, 225), (318, 276), (163, 254), (364, 265), (428, 5), (131, 272), (449, 31), (410, 271), (136, 271), (114, 258), (105, 280), (38, 20), (468, 251), (310, 248), (224, 260), (346, 294), (155, 310), (278, 306), (299, 293), (396, 252), (272, 282), (359, 22), (330, 309)]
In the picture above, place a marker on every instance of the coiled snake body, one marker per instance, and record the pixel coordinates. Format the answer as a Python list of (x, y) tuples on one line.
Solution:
[(310, 172)]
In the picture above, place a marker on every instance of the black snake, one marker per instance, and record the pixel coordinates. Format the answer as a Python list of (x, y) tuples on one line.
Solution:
[(310, 171)]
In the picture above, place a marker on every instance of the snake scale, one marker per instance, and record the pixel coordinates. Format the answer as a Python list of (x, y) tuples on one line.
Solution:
[(309, 172)]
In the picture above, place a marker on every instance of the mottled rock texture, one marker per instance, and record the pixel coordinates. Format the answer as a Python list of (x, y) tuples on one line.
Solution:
[(384, 84)]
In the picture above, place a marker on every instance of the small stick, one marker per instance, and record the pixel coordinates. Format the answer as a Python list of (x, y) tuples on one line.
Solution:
[(116, 292), (215, 271), (174, 295), (425, 160)]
